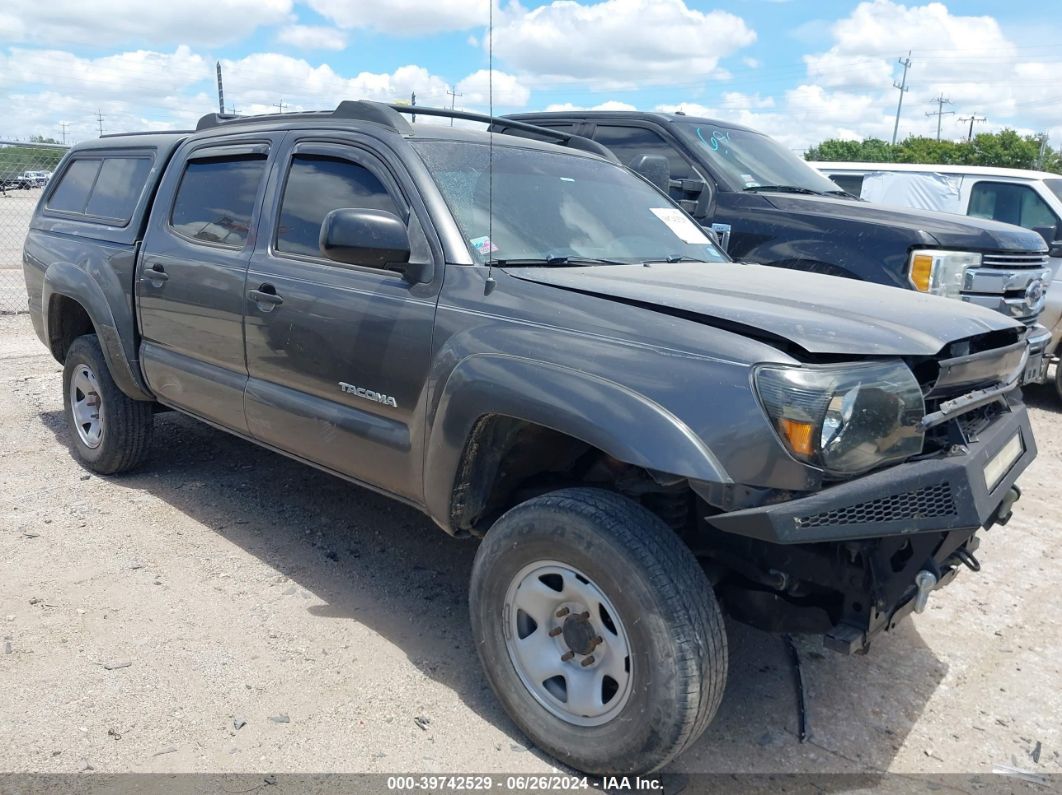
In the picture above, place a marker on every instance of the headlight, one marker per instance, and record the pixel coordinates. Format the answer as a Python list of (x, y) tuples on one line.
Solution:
[(940, 272), (846, 419)]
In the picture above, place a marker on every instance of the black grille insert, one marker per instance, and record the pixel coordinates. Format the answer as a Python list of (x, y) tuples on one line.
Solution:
[(928, 502)]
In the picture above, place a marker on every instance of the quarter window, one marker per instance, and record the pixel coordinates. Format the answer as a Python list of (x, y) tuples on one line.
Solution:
[(72, 193), (106, 188), (216, 199), (317, 185), (1012, 204)]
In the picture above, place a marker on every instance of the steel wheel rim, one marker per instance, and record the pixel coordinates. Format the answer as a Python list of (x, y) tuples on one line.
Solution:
[(567, 643), (86, 406)]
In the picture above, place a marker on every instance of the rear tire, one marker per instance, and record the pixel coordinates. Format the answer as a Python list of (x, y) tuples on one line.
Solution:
[(110, 432), (583, 570)]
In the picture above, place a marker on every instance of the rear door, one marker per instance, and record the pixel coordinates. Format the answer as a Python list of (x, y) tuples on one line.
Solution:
[(191, 276), (338, 355)]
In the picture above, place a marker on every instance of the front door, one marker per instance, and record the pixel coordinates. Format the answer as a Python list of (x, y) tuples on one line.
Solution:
[(190, 286), (337, 355)]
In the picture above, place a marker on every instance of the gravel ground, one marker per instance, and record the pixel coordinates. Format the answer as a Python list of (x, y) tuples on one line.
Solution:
[(145, 618)]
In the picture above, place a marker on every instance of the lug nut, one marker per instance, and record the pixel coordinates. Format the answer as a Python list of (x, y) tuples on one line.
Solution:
[(567, 655), (598, 641), (585, 614), (555, 632), (587, 661), (562, 612)]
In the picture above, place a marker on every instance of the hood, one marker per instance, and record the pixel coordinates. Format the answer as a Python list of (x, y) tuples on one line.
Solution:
[(821, 314), (947, 229)]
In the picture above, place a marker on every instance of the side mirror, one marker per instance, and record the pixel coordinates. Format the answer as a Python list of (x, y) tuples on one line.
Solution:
[(654, 168), (1055, 249), (371, 239)]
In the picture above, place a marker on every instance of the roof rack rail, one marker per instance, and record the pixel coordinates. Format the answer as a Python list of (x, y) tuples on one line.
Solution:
[(146, 132), (513, 127), (391, 116)]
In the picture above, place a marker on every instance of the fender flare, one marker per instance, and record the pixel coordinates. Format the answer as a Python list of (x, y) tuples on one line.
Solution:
[(69, 281), (602, 413)]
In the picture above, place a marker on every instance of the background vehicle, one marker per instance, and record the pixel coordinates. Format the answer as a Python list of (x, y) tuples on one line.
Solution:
[(533, 345), (35, 179), (769, 206), (1032, 199)]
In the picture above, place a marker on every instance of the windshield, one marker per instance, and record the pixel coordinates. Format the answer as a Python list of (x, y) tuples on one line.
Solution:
[(552, 208), (745, 160)]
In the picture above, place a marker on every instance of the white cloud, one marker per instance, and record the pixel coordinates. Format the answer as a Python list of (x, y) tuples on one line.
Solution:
[(618, 43), (611, 104), (103, 22), (508, 90), (259, 80), (312, 37), (405, 17), (140, 74)]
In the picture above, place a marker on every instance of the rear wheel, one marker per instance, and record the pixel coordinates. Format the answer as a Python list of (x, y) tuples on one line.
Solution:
[(598, 631), (111, 432)]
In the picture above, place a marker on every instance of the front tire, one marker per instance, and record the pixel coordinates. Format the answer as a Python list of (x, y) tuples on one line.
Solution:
[(1058, 378), (598, 631), (110, 432)]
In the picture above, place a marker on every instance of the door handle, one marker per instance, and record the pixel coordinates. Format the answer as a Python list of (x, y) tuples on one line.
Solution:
[(156, 274), (265, 297)]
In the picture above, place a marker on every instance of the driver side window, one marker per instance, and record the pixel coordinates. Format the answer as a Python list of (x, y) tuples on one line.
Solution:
[(629, 142), (316, 185), (1011, 204)]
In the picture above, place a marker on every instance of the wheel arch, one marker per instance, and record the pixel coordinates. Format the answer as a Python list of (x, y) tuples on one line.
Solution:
[(487, 391), (74, 304)]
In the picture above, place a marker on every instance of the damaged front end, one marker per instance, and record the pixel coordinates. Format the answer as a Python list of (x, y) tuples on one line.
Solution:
[(855, 557)]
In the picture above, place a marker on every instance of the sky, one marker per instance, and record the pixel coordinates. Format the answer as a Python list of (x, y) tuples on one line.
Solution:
[(799, 70)]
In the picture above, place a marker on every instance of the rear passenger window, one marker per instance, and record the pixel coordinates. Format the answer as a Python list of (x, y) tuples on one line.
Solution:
[(216, 198), (72, 193), (118, 187), (316, 186), (107, 188)]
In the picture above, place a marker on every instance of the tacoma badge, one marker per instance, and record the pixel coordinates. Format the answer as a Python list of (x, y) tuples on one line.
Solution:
[(368, 394)]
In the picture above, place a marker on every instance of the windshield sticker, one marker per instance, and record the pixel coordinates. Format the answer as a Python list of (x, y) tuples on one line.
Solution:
[(716, 138), (483, 246), (750, 181), (685, 229)]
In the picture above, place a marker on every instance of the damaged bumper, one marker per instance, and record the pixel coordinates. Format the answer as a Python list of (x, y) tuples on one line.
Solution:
[(962, 490)]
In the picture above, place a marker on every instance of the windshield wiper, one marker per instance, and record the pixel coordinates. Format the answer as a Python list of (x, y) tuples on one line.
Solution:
[(555, 262), (681, 258), (783, 189)]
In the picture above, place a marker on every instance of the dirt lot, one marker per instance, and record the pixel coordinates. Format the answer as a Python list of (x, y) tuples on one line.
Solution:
[(141, 616)]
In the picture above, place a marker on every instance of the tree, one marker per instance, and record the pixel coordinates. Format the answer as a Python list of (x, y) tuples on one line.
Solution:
[(40, 139), (1005, 149)]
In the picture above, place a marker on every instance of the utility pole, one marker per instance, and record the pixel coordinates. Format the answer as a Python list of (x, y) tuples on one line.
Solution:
[(971, 118), (99, 120), (902, 85), (280, 106), (413, 102), (940, 113), (1043, 148), (453, 99), (221, 92), (62, 128)]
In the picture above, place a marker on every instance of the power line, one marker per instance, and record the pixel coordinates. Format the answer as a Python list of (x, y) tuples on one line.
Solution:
[(902, 85), (453, 98), (973, 117), (940, 113)]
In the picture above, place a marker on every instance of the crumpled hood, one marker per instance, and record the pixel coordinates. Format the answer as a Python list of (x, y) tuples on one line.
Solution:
[(947, 229), (821, 314)]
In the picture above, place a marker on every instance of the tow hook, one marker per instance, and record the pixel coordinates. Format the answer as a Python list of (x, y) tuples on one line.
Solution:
[(926, 582), (1006, 507)]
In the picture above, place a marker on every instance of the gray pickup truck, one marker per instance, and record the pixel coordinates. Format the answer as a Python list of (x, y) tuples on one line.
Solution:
[(536, 347)]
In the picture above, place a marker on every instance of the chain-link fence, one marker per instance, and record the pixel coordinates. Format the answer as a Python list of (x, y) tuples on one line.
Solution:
[(24, 171)]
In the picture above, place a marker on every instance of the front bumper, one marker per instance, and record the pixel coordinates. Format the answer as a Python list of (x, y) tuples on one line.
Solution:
[(943, 493), (1039, 356)]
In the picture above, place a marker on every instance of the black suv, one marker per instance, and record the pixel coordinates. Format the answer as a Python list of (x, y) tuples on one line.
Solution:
[(537, 348), (766, 205)]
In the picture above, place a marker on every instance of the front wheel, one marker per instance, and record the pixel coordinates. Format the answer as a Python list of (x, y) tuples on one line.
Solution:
[(111, 432), (1058, 378), (598, 631)]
